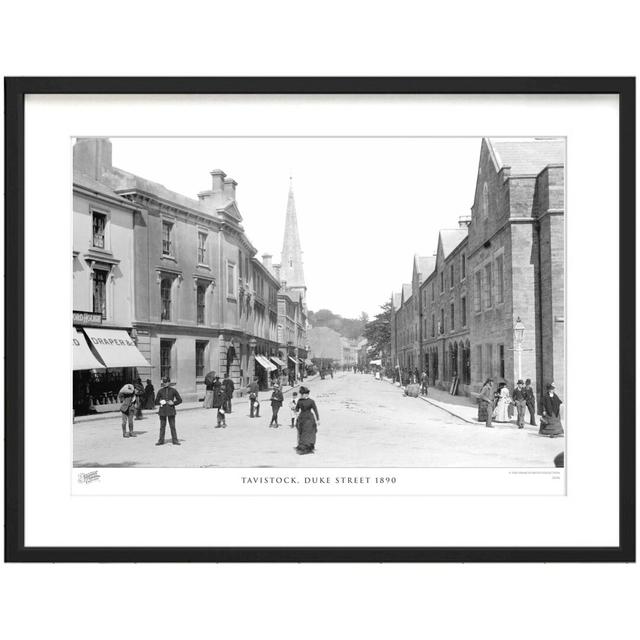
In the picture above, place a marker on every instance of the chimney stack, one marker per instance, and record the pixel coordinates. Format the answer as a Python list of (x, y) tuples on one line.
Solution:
[(267, 262), (276, 271), (229, 186), (216, 195), (217, 180), (464, 221), (92, 156)]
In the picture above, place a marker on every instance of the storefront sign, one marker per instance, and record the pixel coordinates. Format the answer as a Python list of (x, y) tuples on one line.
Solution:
[(86, 317)]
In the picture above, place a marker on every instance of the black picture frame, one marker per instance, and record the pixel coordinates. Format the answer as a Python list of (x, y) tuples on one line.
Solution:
[(15, 91)]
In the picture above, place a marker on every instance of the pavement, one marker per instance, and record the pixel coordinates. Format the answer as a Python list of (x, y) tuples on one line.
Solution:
[(187, 406), (363, 423)]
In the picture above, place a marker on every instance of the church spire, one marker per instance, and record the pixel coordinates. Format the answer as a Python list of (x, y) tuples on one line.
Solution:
[(291, 270)]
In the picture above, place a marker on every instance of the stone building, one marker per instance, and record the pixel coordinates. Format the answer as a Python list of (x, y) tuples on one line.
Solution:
[(195, 306), (104, 353), (493, 304), (405, 325), (516, 261), (443, 294)]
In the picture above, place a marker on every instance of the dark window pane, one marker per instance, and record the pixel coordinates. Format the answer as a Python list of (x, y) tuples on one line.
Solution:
[(100, 293), (165, 299)]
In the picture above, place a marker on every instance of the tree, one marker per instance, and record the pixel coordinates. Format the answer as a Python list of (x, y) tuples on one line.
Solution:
[(347, 327), (378, 332)]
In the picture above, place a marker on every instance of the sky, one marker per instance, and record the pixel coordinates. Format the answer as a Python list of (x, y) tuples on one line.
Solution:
[(365, 206)]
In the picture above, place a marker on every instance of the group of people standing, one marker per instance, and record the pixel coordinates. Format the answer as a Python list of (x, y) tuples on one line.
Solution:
[(499, 405), (134, 398), (218, 395), (303, 411), (326, 371), (303, 414)]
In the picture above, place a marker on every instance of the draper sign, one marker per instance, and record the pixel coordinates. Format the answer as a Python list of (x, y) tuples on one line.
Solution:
[(118, 342)]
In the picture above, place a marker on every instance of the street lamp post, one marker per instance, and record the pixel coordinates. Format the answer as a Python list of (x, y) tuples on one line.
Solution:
[(518, 335)]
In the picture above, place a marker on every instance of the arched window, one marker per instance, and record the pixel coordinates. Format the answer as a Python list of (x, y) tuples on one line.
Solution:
[(485, 201), (165, 299)]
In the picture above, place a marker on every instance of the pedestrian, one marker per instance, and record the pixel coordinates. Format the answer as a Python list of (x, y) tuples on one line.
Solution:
[(276, 402), (168, 399), (149, 396), (293, 411), (254, 403), (139, 393), (208, 385), (501, 411), (331, 371), (127, 398), (485, 403), (531, 401), (229, 388), (292, 377), (219, 403), (307, 422), (424, 379), (550, 424), (520, 400)]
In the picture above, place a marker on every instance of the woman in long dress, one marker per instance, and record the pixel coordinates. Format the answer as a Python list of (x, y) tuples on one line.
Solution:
[(149, 396), (307, 422), (208, 385), (501, 412), (550, 424)]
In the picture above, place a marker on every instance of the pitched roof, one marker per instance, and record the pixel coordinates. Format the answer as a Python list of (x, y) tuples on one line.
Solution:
[(527, 156), (87, 182), (425, 264), (451, 238)]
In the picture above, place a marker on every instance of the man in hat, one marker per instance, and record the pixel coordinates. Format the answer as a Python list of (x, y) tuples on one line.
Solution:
[(531, 401), (168, 399), (229, 388), (276, 402), (253, 398), (219, 403), (520, 399), (127, 398)]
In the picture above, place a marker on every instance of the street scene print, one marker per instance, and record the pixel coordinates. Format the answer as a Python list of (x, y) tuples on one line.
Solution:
[(318, 302)]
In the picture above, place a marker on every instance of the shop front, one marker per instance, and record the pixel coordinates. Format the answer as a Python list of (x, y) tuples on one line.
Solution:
[(103, 361), (264, 369)]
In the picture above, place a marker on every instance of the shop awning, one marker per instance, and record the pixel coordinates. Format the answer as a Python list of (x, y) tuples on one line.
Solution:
[(82, 356), (115, 348), (293, 360), (265, 363), (278, 361)]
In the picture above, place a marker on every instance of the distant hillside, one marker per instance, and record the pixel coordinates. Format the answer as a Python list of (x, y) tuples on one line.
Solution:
[(347, 327)]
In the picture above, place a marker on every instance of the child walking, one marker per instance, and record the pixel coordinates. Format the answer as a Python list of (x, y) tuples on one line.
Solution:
[(292, 408)]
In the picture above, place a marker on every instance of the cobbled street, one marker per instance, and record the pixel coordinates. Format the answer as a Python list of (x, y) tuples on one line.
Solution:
[(363, 423)]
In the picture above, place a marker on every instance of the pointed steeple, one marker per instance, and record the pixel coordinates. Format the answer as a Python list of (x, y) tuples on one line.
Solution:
[(291, 270)]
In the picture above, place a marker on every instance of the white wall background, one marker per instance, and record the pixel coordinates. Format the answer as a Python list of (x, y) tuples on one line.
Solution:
[(331, 38)]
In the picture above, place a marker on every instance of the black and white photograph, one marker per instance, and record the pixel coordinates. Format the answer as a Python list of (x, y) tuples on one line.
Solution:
[(343, 302), (352, 307)]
